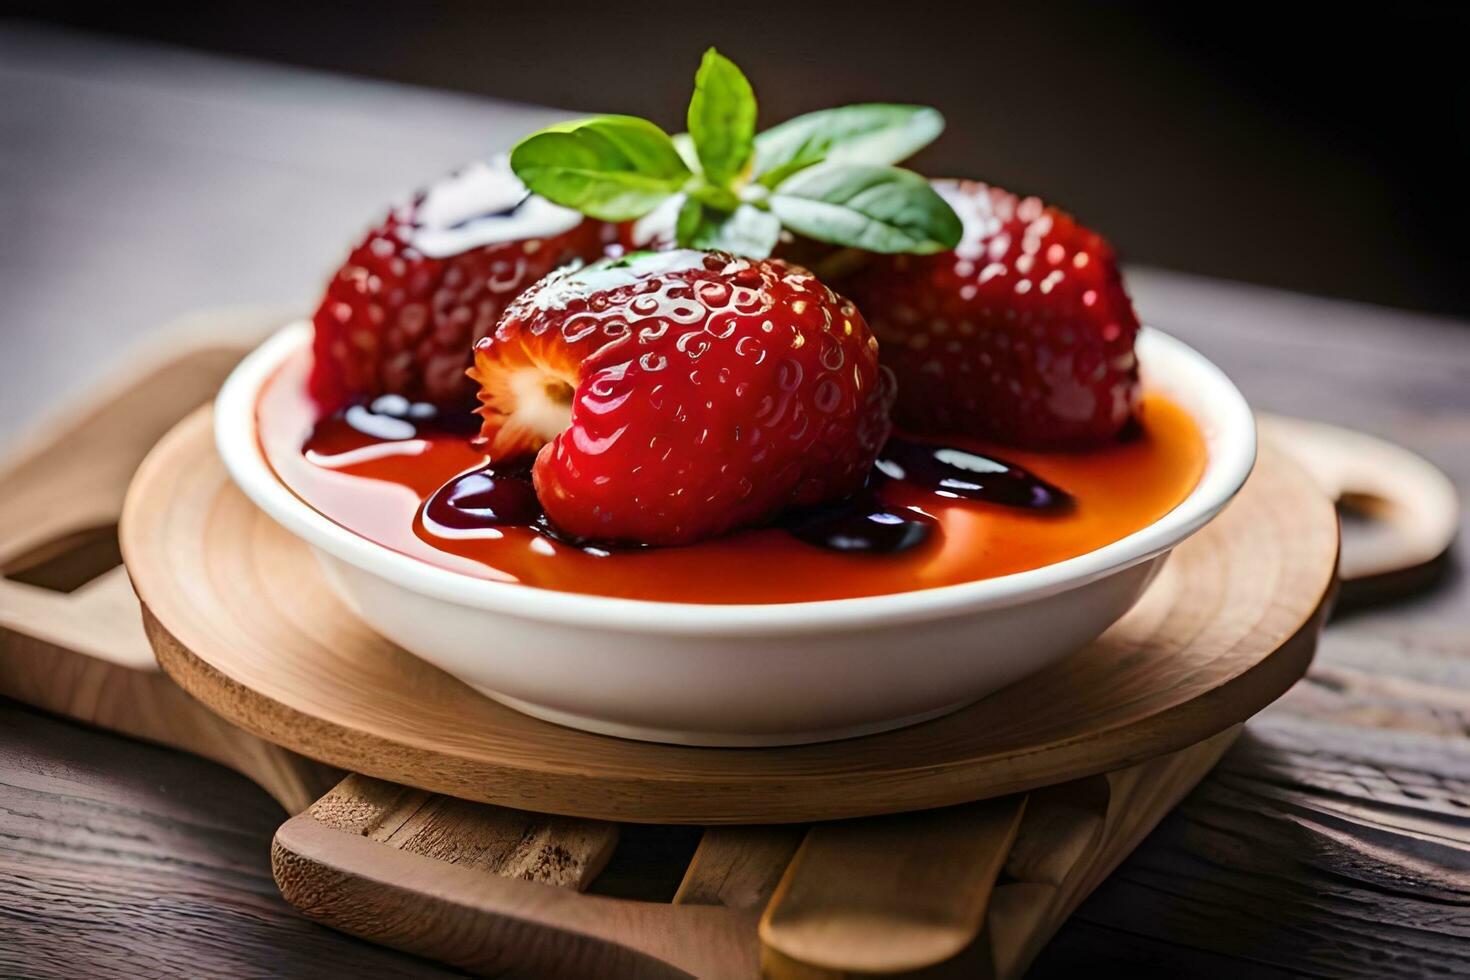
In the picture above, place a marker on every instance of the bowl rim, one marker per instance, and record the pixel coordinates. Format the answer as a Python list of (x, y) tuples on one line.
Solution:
[(1217, 407)]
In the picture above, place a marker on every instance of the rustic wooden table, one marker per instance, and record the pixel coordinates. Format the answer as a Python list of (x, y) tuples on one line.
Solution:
[(137, 184)]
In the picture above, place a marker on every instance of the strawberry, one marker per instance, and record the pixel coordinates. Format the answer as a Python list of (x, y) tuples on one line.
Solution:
[(674, 396), (403, 313), (1023, 333)]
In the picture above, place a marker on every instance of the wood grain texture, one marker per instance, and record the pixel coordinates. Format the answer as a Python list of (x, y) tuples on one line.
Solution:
[(108, 429), (79, 649), (147, 704), (1074, 837), (1350, 851), (561, 851), (1227, 627), (493, 924), (1273, 893), (911, 895), (738, 867), (890, 894), (1343, 810), (490, 889), (121, 859)]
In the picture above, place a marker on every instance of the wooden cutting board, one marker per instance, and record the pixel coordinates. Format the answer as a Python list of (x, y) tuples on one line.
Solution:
[(489, 887), (969, 891)]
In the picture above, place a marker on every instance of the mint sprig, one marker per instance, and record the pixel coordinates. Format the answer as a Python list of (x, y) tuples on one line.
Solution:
[(611, 167), (828, 175), (721, 118), (873, 133), (878, 209)]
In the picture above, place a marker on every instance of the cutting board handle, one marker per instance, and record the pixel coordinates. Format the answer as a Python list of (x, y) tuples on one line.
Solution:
[(62, 486), (71, 637), (1400, 513)]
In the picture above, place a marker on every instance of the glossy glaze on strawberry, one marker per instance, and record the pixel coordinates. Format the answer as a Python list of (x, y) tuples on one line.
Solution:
[(401, 315), (1022, 334), (380, 488), (670, 397)]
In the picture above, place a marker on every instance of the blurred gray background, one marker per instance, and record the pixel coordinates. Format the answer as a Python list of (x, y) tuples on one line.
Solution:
[(1319, 147)]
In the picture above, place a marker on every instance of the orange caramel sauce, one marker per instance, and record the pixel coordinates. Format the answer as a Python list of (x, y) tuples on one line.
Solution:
[(377, 489)]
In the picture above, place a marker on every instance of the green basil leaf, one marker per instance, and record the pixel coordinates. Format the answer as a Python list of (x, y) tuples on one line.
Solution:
[(691, 212), (684, 143), (880, 209), (747, 231), (615, 168), (717, 196), (874, 133), (721, 118), (809, 157)]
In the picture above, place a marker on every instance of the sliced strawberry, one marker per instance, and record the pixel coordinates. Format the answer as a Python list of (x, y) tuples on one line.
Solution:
[(1022, 334), (526, 383), (707, 392), (403, 313)]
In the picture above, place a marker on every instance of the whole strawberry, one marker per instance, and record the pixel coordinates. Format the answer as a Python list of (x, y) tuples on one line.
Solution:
[(403, 313), (674, 396), (1023, 333)]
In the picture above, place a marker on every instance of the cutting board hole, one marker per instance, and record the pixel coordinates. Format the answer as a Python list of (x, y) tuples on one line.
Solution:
[(1362, 508), (1365, 527), (69, 562), (1369, 530), (648, 863)]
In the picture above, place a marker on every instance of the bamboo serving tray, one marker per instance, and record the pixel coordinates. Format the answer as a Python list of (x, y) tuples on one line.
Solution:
[(968, 890)]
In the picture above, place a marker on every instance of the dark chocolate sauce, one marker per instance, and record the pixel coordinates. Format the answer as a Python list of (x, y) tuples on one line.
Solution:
[(393, 418), (950, 472), (492, 496), (860, 523), (1132, 430), (502, 495)]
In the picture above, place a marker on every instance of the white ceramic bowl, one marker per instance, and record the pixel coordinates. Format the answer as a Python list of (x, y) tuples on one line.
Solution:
[(771, 674)]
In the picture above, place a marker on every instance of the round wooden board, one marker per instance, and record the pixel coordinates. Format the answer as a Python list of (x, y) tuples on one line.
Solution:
[(241, 616)]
